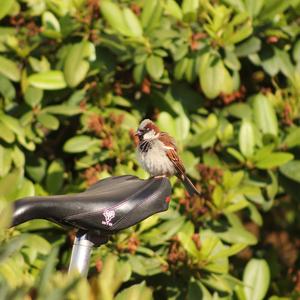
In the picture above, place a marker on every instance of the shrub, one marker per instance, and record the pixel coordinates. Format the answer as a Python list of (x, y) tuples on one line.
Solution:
[(222, 77)]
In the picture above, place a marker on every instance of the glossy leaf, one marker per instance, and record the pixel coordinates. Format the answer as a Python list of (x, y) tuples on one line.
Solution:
[(264, 115), (136, 292), (79, 143), (113, 275), (55, 175), (132, 23), (67, 110), (214, 77), (173, 9), (151, 14), (51, 80), (76, 64), (256, 279), (275, 159), (246, 138), (33, 96), (6, 134), (155, 66), (48, 121), (7, 89), (5, 7), (293, 138), (9, 69), (189, 9), (291, 170), (123, 22), (249, 46), (197, 290)]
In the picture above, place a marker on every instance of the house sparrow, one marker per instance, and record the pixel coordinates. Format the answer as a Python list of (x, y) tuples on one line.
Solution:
[(157, 154)]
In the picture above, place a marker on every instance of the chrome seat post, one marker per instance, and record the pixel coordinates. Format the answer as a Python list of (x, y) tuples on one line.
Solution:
[(82, 250)]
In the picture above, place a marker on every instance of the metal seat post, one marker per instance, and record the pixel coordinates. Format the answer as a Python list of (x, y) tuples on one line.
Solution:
[(82, 250)]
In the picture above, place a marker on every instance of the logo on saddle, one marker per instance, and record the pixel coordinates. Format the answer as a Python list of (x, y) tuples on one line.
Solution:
[(108, 215)]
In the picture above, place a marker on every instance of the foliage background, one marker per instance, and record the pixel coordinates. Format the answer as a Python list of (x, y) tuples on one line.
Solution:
[(222, 77)]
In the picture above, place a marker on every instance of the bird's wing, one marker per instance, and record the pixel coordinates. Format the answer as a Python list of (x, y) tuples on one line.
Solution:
[(171, 152)]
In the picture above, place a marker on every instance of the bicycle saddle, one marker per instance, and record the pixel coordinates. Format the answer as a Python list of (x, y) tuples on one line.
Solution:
[(110, 205)]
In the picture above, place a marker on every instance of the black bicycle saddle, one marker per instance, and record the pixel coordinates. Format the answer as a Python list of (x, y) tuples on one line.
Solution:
[(108, 206)]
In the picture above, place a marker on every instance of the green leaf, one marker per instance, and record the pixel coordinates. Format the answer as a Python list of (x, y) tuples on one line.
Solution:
[(231, 60), (190, 9), (188, 244), (50, 80), (12, 124), (66, 110), (113, 274), (26, 189), (18, 157), (48, 121), (33, 96), (296, 51), (6, 88), (239, 110), (284, 63), (5, 8), (5, 160), (6, 134), (172, 8), (76, 66), (12, 246), (236, 154), (79, 143), (49, 267), (247, 138), (37, 169), (197, 290), (136, 292), (249, 46), (9, 183), (51, 26), (55, 176), (9, 69), (139, 73), (253, 7), (235, 233), (155, 66), (132, 23), (214, 77), (181, 68), (275, 7), (232, 250), (217, 282), (264, 115), (293, 138), (6, 211), (273, 160), (39, 65), (116, 18), (256, 279), (291, 170), (50, 22), (164, 231), (151, 14)]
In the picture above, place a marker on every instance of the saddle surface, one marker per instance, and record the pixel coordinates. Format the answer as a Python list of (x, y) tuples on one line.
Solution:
[(110, 205)]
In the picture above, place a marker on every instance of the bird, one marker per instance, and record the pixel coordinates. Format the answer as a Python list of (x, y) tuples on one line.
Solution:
[(157, 154)]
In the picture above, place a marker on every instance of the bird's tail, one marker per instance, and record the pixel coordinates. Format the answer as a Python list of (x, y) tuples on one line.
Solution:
[(189, 186)]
